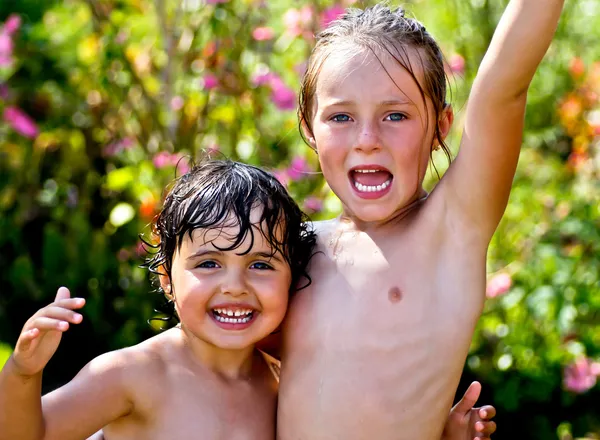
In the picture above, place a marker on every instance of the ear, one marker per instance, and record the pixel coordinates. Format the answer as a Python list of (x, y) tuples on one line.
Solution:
[(165, 283), (446, 120), (308, 134)]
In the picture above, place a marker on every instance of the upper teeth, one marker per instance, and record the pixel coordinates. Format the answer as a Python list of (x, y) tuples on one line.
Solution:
[(366, 171), (372, 188), (228, 312)]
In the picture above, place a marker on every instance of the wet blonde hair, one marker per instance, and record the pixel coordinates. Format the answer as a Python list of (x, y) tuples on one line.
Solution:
[(380, 29)]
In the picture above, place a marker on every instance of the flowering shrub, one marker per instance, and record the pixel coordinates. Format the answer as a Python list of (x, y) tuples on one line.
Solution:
[(102, 103)]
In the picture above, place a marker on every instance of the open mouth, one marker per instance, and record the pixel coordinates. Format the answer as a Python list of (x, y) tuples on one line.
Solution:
[(231, 316), (371, 181)]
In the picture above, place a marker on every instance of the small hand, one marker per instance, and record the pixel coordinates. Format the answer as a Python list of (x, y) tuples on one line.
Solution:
[(42, 333), (468, 423)]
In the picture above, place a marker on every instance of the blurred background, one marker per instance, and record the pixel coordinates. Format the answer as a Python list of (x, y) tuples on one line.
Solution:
[(101, 99)]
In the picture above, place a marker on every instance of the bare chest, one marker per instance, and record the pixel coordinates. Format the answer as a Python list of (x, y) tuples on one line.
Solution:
[(376, 343), (204, 411)]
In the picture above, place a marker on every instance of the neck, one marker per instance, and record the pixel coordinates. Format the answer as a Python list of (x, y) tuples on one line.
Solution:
[(352, 222), (228, 363)]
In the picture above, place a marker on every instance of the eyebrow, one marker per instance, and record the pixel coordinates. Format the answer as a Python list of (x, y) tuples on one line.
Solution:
[(208, 252), (337, 103)]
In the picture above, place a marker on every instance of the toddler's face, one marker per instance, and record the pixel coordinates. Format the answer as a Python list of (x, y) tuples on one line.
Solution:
[(229, 298)]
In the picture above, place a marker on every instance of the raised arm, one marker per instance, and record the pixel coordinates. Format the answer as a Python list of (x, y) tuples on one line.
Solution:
[(478, 183), (94, 398)]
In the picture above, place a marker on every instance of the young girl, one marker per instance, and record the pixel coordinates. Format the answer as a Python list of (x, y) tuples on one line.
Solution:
[(375, 346), (232, 243)]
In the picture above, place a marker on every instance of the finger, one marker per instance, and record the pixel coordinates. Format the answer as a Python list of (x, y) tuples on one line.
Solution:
[(45, 324), (468, 400), (60, 314), (487, 412), (62, 293), (485, 428), (71, 303), (26, 339)]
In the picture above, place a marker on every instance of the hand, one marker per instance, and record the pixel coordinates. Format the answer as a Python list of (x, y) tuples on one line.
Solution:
[(41, 334), (468, 423)]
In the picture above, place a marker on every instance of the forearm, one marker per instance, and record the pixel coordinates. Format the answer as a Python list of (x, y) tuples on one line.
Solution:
[(520, 42), (20, 405)]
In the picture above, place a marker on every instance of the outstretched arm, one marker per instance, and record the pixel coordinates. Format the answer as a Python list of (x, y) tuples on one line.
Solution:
[(478, 184)]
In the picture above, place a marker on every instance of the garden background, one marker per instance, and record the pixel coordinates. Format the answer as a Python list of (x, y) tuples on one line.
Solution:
[(101, 99)]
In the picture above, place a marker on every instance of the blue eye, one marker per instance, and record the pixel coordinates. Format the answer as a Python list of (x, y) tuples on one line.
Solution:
[(395, 117), (208, 265), (261, 266), (341, 118)]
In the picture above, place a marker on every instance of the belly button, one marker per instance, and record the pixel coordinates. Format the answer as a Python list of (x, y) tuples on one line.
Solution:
[(394, 295)]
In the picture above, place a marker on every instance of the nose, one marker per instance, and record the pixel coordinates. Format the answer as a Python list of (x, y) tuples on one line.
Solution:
[(234, 283), (368, 140)]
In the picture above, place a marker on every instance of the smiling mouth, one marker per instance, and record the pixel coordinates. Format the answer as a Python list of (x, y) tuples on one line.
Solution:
[(371, 180), (233, 316)]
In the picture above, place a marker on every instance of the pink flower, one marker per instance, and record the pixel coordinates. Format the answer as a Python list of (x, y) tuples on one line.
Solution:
[(581, 375), (162, 160), (215, 2), (263, 78), (181, 163), (498, 285), (298, 168), (313, 204), (210, 82), (12, 24), (263, 33), (331, 14), (177, 103), (20, 122), (6, 49), (297, 21), (457, 64), (282, 96), (115, 148), (282, 176)]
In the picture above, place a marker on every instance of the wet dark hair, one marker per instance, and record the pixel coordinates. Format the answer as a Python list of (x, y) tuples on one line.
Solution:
[(379, 29), (221, 193)]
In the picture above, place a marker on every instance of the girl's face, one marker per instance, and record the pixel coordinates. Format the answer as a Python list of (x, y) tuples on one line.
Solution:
[(373, 133), (229, 300)]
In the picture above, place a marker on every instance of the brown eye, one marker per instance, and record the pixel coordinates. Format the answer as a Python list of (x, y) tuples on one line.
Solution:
[(208, 265), (261, 266)]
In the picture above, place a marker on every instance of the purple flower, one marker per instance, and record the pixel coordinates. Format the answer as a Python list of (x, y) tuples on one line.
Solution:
[(215, 2), (20, 122)]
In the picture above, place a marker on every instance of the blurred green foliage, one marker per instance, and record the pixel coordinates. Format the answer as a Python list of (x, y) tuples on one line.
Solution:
[(102, 103)]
